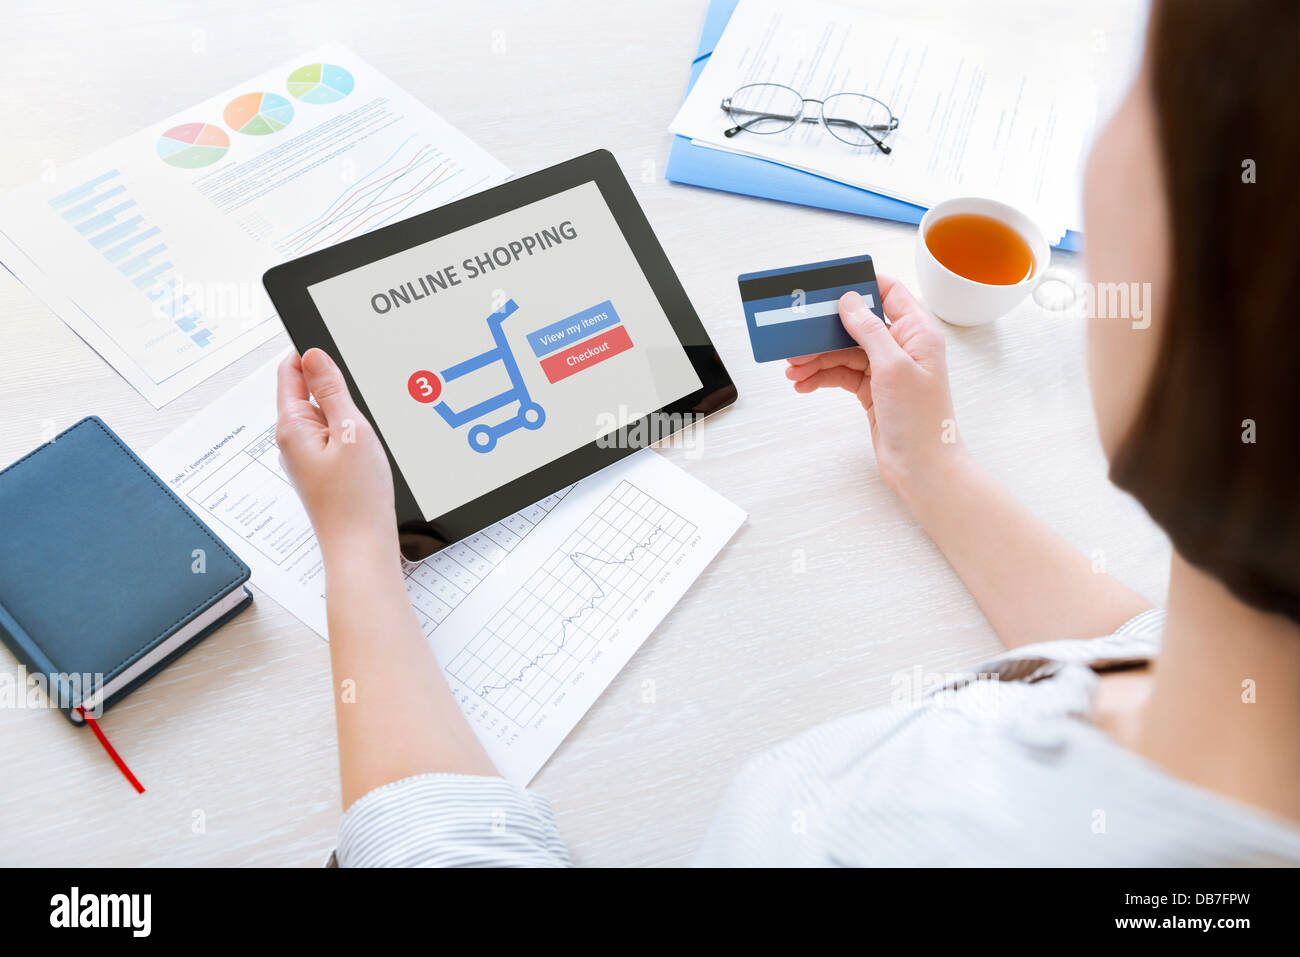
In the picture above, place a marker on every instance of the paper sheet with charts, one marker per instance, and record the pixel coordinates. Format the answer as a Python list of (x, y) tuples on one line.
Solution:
[(152, 248), (530, 618)]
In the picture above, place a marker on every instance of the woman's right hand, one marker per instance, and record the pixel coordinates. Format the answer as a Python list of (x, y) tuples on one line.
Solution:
[(334, 458), (900, 375)]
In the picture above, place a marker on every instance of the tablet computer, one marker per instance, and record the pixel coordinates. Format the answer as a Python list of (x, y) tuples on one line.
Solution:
[(508, 344)]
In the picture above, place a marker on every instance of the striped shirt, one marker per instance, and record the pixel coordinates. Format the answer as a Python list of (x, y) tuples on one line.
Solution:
[(996, 767)]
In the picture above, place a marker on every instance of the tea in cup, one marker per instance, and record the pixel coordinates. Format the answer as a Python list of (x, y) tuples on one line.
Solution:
[(977, 259)]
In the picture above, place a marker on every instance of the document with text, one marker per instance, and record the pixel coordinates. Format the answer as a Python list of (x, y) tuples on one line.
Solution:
[(1014, 128), (530, 618)]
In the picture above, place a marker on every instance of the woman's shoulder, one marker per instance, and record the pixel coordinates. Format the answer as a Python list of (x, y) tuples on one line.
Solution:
[(1018, 687), (994, 766), (1137, 640)]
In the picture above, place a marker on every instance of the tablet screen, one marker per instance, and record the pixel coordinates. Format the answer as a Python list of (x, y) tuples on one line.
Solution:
[(488, 352)]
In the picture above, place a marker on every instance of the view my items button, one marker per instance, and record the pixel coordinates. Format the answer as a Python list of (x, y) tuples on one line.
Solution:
[(586, 353)]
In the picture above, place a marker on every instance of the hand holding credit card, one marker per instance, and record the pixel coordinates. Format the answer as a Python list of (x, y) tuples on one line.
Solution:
[(794, 311)]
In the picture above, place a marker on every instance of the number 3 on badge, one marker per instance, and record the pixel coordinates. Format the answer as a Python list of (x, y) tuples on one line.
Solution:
[(424, 386)]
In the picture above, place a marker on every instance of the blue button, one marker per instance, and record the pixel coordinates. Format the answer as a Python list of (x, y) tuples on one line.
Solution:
[(580, 325)]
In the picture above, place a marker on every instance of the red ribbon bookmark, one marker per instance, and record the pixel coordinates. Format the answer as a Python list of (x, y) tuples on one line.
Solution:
[(103, 740)]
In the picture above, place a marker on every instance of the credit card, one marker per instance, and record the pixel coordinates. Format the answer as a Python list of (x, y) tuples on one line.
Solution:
[(795, 311)]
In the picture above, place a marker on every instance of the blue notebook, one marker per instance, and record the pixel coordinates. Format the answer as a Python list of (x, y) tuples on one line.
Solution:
[(751, 176), (105, 575)]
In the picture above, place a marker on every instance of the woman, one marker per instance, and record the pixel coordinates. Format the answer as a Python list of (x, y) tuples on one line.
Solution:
[(1085, 749)]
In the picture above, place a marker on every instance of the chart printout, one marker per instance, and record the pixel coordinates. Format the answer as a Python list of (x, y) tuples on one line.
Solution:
[(153, 248), (530, 618)]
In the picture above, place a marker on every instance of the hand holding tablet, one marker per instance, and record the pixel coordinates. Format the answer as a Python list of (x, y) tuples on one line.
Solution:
[(498, 342)]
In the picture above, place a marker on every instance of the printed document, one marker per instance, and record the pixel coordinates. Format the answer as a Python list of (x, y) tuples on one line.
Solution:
[(153, 248), (1014, 128), (530, 619)]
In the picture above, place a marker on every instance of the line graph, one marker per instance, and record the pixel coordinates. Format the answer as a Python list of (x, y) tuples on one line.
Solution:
[(575, 601), (585, 563), (381, 194)]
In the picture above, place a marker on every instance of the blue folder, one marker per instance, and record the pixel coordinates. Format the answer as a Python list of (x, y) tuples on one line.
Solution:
[(751, 176)]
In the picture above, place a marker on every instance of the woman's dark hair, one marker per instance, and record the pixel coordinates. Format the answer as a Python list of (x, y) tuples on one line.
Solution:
[(1214, 450)]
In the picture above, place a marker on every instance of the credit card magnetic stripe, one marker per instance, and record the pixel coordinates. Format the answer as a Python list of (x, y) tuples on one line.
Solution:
[(783, 282)]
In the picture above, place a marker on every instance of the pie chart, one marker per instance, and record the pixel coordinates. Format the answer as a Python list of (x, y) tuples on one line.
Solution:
[(320, 83), (258, 114), (192, 145)]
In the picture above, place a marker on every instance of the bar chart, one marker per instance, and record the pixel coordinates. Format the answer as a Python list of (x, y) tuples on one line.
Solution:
[(103, 211)]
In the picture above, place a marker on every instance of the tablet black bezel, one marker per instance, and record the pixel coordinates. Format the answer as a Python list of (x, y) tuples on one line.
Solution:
[(287, 286)]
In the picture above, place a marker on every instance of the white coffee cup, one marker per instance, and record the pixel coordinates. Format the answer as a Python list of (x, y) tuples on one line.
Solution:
[(962, 301)]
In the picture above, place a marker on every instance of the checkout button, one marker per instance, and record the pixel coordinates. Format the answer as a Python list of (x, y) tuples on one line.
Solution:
[(586, 353)]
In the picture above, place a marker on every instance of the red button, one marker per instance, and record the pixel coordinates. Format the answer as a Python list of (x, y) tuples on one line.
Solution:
[(586, 353)]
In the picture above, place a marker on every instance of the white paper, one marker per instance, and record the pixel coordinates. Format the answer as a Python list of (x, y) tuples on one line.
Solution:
[(530, 618), (970, 123), (159, 266)]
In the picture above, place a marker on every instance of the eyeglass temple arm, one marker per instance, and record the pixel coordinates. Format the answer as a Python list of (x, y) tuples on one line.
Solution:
[(756, 114), (866, 131)]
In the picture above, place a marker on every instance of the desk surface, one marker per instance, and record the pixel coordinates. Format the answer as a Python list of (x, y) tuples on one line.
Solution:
[(828, 591)]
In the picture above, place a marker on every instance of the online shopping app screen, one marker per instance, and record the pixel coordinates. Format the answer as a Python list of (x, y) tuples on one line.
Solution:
[(496, 349)]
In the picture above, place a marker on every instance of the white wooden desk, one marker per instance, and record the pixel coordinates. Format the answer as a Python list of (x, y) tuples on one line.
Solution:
[(828, 590)]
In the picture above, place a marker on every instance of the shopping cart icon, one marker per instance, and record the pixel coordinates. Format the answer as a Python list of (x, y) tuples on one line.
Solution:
[(482, 437)]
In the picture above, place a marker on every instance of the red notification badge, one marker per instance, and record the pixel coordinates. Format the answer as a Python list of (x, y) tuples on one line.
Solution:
[(424, 386)]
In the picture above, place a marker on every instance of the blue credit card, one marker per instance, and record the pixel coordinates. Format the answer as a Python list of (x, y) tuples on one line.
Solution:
[(794, 311)]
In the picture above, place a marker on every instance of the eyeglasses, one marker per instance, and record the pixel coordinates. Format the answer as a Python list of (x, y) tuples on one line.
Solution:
[(853, 118)]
